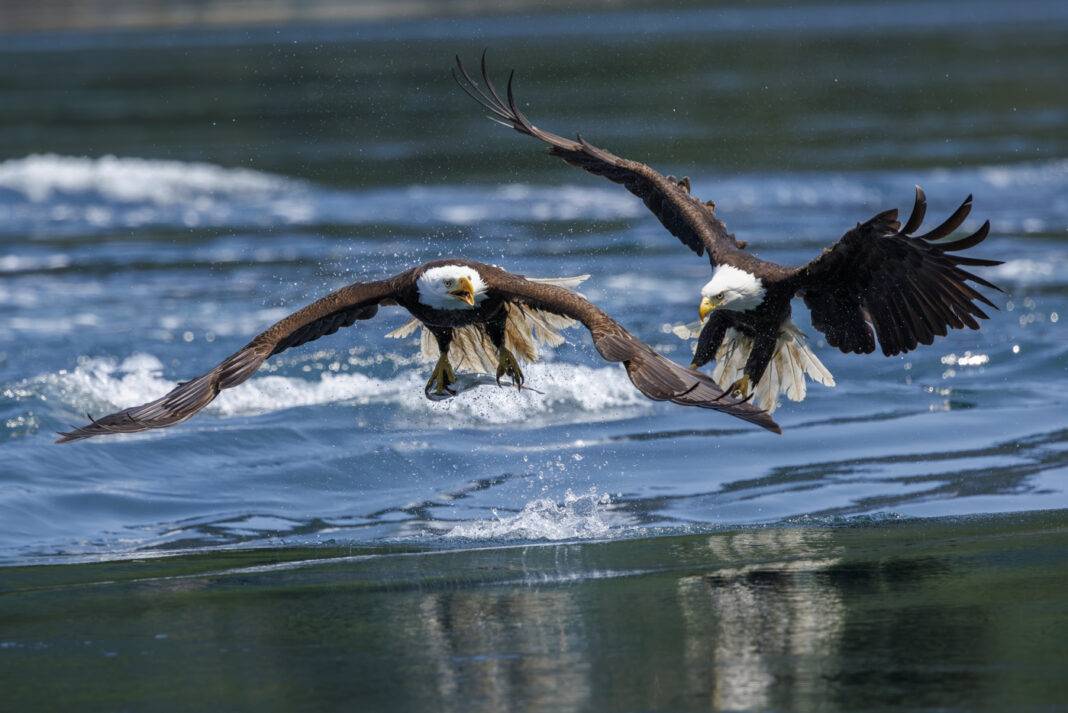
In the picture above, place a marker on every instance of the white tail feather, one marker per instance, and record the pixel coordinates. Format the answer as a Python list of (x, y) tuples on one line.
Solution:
[(793, 360)]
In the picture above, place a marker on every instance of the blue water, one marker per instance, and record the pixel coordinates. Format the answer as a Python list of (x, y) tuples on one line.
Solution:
[(148, 229)]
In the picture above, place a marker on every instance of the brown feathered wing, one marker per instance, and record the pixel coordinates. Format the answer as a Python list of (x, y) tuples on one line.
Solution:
[(687, 218), (338, 309)]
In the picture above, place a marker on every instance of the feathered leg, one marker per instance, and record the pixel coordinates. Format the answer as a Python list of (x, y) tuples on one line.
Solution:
[(443, 375), (506, 361), (759, 358), (711, 337)]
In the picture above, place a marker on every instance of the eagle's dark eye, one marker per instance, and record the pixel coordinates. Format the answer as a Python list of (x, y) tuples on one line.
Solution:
[(449, 282), (721, 295)]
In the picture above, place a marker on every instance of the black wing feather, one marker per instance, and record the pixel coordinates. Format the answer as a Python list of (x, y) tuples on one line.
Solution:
[(909, 288)]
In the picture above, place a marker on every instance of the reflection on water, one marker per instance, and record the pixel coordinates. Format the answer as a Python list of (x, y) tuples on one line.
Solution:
[(504, 646), (743, 622), (961, 615)]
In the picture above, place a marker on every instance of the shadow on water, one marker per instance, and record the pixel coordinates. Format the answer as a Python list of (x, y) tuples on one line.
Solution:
[(948, 614)]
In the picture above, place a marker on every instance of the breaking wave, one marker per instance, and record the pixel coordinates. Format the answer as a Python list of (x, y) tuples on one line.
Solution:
[(49, 194), (566, 390), (68, 194)]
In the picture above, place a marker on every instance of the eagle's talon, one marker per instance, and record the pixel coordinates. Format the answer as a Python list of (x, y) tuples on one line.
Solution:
[(442, 377), (739, 388), (507, 364)]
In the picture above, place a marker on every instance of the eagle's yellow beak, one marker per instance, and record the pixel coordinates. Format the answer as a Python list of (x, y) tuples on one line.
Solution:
[(707, 305), (465, 291)]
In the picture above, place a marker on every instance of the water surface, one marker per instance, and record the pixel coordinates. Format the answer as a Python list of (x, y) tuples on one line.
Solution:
[(922, 615), (164, 196)]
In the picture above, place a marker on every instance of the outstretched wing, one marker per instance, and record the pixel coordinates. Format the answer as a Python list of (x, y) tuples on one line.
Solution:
[(686, 217), (326, 316), (908, 288), (655, 376)]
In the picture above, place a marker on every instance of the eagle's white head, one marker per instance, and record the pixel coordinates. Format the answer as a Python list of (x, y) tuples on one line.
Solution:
[(451, 287), (731, 288)]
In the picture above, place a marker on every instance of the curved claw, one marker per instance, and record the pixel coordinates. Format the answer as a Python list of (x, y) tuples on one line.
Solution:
[(741, 388), (442, 377), (507, 364)]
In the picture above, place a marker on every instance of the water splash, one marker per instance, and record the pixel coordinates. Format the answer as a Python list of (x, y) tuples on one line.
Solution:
[(584, 516)]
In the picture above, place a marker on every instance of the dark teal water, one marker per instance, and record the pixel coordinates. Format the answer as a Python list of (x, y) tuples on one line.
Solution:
[(926, 615)]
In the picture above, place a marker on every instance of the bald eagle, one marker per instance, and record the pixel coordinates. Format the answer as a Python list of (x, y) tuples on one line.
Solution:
[(493, 310), (879, 281)]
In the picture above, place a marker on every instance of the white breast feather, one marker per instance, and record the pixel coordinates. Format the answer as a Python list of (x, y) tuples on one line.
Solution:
[(785, 374), (471, 350)]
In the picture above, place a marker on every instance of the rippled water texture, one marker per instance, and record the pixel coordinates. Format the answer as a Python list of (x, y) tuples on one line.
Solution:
[(964, 615), (165, 197)]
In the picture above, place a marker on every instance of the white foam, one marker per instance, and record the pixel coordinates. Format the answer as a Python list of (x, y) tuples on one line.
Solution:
[(53, 193), (1029, 271), (568, 391), (1026, 174), (758, 191), (19, 263), (519, 201), (584, 516), (42, 177), (87, 194), (53, 325)]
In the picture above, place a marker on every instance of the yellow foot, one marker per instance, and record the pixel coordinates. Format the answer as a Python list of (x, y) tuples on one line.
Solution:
[(442, 377), (506, 364), (739, 388)]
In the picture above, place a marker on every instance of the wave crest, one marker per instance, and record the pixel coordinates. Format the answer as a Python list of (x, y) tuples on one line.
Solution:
[(48, 193), (71, 194), (104, 385)]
